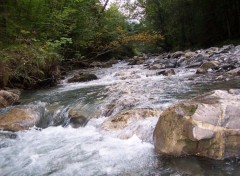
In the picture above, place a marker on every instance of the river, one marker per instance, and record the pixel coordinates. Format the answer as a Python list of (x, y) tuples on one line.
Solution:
[(55, 148)]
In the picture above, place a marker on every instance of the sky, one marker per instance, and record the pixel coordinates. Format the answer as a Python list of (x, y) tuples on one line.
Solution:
[(119, 1), (125, 11)]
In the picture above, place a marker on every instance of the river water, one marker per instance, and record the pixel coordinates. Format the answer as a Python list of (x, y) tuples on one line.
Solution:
[(55, 148)]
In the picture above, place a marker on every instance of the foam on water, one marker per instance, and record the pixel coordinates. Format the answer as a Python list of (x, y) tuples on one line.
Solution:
[(68, 151), (91, 150)]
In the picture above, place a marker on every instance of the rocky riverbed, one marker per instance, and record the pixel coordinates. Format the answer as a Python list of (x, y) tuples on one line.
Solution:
[(223, 61), (105, 126)]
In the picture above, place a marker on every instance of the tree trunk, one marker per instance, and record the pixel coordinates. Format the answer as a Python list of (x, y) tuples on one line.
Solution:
[(105, 6), (1, 75)]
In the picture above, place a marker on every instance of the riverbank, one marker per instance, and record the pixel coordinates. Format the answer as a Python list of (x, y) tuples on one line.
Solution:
[(222, 61)]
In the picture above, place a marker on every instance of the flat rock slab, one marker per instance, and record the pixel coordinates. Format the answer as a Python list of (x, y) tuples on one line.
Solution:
[(207, 125)]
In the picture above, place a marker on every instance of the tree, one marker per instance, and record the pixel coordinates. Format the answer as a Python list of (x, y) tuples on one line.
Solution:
[(193, 23)]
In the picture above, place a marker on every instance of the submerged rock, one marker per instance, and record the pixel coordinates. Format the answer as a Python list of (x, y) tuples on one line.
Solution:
[(208, 125), (18, 119), (167, 72), (82, 77), (76, 118), (7, 135), (9, 97)]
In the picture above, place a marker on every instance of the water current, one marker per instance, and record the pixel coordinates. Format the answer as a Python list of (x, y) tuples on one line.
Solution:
[(55, 148)]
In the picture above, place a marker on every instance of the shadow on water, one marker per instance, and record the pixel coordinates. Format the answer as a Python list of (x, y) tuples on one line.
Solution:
[(63, 98), (197, 166), (200, 86)]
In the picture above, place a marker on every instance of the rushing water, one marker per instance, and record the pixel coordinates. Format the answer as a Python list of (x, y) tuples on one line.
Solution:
[(58, 149)]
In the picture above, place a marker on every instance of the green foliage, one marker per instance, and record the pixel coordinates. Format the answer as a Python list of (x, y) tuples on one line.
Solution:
[(38, 34), (26, 64), (194, 23)]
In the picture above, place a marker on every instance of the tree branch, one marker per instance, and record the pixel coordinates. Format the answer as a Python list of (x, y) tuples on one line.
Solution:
[(105, 6)]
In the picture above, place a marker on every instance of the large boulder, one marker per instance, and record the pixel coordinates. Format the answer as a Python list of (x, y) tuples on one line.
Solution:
[(82, 77), (9, 97), (208, 125), (18, 119)]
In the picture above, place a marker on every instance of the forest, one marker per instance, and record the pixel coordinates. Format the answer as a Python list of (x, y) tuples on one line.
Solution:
[(38, 38)]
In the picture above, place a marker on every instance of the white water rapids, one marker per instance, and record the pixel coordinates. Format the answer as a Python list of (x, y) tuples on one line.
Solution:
[(92, 151)]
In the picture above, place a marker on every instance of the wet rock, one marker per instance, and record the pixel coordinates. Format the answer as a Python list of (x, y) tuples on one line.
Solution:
[(234, 72), (210, 65), (126, 74), (182, 62), (190, 54), (201, 58), (207, 125), (201, 71), (96, 64), (227, 67), (111, 62), (157, 66), (167, 72), (136, 60), (121, 120), (82, 77), (9, 97), (81, 64), (7, 135), (171, 64), (212, 50), (194, 65), (221, 77), (18, 119), (207, 66), (118, 104), (160, 58), (76, 118), (226, 48), (178, 54), (130, 122), (237, 47), (105, 64)]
